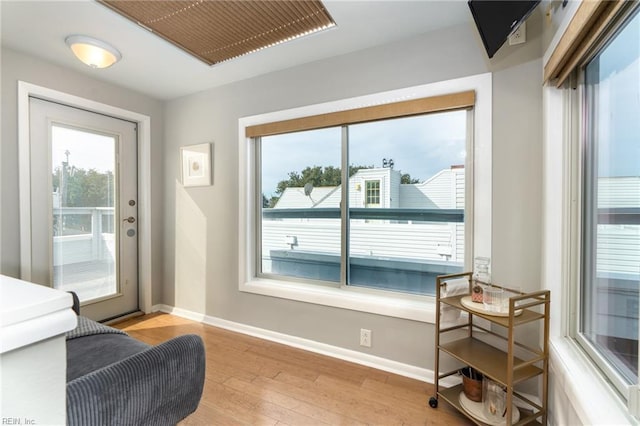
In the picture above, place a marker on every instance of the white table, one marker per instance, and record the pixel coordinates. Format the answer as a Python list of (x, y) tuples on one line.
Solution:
[(33, 320)]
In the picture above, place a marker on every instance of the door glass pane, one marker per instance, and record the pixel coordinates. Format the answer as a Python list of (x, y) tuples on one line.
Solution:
[(406, 201), (611, 234), (84, 249), (300, 216)]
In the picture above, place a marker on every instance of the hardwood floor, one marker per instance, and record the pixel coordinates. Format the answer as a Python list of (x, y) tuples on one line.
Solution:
[(250, 381)]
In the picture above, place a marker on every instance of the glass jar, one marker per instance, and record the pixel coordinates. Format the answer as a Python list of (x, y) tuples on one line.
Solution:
[(493, 401), (481, 278)]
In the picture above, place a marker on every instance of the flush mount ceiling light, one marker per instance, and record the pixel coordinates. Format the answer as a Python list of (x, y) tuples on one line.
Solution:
[(93, 52)]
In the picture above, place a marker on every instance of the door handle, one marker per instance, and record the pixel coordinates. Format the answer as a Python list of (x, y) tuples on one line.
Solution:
[(130, 219)]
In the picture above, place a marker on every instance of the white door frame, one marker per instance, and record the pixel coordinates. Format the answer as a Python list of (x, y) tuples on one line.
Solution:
[(25, 90)]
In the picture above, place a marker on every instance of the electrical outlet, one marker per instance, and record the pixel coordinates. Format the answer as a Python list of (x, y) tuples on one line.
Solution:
[(365, 337), (519, 36)]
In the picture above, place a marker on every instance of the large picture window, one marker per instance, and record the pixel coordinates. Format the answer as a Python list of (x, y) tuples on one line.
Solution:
[(610, 260), (360, 203), (404, 204)]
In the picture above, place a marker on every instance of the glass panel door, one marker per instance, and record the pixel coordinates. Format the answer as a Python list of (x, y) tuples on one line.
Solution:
[(83, 215)]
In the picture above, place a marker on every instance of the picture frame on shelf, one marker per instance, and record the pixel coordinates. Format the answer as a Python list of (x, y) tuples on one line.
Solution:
[(196, 165)]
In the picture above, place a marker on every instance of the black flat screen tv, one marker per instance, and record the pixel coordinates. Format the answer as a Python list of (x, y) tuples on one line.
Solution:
[(497, 19)]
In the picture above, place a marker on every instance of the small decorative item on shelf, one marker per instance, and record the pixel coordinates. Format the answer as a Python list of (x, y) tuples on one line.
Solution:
[(494, 401), (493, 298), (478, 293), (472, 383), (481, 278)]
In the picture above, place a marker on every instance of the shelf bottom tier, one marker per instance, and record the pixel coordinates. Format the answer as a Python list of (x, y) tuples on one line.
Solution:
[(452, 397)]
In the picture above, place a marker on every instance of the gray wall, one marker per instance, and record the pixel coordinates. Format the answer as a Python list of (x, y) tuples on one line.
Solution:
[(201, 224), (17, 66)]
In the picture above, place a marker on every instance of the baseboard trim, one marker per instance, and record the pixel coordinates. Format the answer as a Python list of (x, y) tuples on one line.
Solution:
[(379, 363)]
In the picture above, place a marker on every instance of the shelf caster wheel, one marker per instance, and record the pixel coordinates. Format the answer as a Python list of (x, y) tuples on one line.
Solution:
[(433, 402)]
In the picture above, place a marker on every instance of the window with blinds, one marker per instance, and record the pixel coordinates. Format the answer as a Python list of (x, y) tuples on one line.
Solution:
[(369, 197)]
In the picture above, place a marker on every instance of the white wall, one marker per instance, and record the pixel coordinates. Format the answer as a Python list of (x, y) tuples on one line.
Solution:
[(201, 224), (17, 66)]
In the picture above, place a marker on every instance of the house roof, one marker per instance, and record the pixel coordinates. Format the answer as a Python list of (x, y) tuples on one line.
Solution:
[(294, 198), (435, 192)]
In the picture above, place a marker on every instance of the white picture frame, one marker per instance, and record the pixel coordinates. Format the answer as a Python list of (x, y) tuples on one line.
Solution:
[(195, 161)]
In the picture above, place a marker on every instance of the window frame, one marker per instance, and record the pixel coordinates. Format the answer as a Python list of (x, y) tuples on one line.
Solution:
[(372, 192), (419, 308), (579, 215)]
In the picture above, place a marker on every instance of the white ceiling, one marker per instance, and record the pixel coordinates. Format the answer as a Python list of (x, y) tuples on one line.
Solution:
[(153, 66)]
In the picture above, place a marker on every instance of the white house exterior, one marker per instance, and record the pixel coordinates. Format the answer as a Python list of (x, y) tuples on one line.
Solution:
[(393, 237)]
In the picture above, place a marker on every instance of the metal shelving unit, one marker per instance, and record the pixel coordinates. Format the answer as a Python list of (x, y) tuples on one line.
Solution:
[(499, 364)]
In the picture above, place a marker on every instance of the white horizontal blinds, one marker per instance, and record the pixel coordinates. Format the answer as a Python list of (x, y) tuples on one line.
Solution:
[(449, 102), (216, 31), (584, 32)]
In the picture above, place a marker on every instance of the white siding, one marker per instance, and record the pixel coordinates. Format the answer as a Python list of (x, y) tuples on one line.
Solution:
[(435, 192), (394, 190), (413, 197), (322, 235), (619, 192), (422, 241), (404, 241), (618, 248), (458, 187)]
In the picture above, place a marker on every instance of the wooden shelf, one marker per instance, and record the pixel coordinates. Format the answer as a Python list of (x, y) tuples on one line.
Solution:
[(527, 315), (492, 362), (488, 360), (452, 397)]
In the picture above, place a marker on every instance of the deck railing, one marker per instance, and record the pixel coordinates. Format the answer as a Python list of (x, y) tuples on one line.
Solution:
[(424, 215), (87, 238)]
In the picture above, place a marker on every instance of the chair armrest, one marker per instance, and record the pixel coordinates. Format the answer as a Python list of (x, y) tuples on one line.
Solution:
[(76, 302), (159, 386)]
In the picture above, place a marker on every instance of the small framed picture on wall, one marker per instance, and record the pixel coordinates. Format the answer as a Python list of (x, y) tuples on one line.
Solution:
[(196, 164)]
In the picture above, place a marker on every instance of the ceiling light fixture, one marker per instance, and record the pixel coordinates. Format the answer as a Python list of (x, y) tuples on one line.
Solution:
[(93, 52)]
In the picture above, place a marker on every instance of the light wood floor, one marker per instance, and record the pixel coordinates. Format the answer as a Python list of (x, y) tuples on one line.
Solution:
[(250, 381)]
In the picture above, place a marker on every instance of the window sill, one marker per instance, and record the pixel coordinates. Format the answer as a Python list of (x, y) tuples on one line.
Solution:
[(579, 385), (389, 304)]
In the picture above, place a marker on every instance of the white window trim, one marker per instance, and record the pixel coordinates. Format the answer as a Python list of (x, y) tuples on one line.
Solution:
[(579, 389), (579, 386), (25, 90), (418, 308)]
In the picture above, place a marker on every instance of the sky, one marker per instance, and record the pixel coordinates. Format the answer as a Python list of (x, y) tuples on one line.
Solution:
[(617, 74), (420, 146), (86, 150)]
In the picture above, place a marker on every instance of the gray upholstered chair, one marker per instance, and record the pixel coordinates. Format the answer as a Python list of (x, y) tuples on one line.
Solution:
[(113, 379)]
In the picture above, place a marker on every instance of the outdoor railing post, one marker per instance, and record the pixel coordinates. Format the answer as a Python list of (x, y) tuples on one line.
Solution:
[(95, 234)]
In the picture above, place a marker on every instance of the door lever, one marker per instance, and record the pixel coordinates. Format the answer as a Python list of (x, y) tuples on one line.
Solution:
[(130, 219)]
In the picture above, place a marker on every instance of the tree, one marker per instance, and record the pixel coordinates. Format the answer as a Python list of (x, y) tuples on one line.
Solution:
[(82, 188), (407, 179), (317, 176)]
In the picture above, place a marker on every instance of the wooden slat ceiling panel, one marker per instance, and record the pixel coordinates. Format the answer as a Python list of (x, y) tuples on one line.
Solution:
[(219, 30)]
